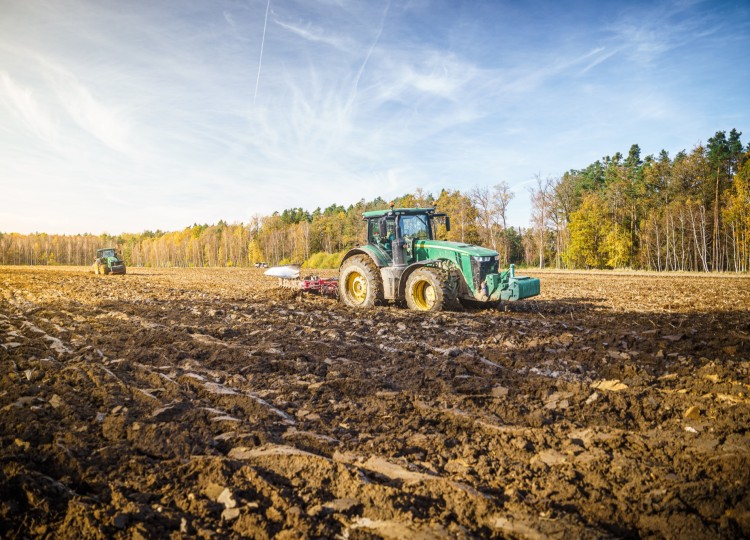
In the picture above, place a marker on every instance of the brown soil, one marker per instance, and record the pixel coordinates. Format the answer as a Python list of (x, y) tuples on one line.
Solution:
[(211, 404)]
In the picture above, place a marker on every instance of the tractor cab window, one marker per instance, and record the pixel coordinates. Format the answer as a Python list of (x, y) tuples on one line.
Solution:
[(107, 253), (373, 233), (415, 227)]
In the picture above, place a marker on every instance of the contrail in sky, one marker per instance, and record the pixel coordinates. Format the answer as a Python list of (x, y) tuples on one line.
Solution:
[(367, 58), (260, 60)]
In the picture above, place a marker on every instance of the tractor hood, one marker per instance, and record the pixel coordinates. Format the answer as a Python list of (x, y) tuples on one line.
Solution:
[(457, 247), (479, 267)]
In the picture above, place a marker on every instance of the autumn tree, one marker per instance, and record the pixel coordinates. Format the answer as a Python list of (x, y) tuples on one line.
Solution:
[(588, 233), (737, 216), (463, 217)]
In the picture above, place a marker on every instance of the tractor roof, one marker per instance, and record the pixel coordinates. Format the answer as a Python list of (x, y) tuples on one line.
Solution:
[(398, 212)]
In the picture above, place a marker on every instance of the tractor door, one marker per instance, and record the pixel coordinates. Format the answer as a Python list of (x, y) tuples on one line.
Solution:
[(382, 237)]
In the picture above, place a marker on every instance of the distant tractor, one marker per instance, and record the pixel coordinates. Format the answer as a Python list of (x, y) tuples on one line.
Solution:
[(402, 260), (107, 262)]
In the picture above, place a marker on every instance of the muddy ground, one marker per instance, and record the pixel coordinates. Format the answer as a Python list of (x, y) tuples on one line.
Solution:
[(210, 404)]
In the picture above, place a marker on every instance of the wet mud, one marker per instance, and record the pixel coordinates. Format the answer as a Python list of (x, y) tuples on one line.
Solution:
[(212, 404)]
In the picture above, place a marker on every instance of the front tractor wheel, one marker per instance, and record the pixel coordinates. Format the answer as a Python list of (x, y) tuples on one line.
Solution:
[(429, 289), (360, 284)]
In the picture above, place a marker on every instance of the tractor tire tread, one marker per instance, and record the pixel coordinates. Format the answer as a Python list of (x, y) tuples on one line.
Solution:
[(369, 269), (450, 290), (443, 281)]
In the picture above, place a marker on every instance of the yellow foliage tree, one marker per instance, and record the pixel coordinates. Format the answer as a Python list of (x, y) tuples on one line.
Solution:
[(737, 215), (617, 246), (588, 235), (463, 216), (254, 254)]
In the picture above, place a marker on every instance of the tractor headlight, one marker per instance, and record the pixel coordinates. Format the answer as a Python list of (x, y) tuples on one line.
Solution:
[(484, 259)]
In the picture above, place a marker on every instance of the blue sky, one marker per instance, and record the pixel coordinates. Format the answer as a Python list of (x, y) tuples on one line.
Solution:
[(126, 116)]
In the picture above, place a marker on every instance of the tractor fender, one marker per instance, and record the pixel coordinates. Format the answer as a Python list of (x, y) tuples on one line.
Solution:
[(377, 257), (420, 264)]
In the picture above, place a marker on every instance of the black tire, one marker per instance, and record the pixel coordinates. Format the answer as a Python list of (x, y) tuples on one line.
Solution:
[(105, 269), (430, 289), (360, 284)]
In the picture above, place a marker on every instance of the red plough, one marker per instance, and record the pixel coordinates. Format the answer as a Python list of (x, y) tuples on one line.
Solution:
[(289, 278), (325, 286)]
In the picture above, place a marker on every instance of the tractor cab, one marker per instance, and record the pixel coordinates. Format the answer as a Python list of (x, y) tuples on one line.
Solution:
[(106, 253), (394, 232)]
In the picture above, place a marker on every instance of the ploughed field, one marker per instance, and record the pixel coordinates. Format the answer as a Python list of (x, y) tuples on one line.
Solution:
[(212, 404)]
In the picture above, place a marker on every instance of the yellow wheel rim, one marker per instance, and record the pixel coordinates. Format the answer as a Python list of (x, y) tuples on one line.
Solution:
[(424, 295), (356, 287)]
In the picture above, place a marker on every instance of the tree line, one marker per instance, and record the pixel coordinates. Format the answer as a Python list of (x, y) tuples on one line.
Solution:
[(690, 212), (294, 235)]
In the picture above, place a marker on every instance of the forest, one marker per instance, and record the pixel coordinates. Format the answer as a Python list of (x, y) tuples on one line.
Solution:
[(690, 212)]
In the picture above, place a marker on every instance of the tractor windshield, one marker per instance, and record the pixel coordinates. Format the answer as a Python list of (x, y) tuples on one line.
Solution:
[(415, 227), (107, 253)]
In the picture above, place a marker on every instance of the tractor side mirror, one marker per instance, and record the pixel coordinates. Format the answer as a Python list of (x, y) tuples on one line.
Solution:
[(383, 228), (447, 223)]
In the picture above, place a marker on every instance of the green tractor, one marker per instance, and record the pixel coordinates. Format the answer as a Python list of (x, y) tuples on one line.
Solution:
[(402, 260), (107, 262)]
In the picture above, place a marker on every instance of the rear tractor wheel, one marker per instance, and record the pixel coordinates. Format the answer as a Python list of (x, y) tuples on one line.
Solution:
[(430, 289), (360, 284)]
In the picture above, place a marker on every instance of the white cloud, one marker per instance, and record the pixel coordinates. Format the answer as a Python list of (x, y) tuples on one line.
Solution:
[(228, 17), (356, 99), (310, 32), (599, 56), (22, 103), (648, 36), (107, 124)]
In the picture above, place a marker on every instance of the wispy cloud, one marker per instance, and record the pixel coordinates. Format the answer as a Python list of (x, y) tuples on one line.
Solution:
[(438, 74), (316, 34), (362, 67), (108, 124), (598, 56), (22, 103), (665, 27), (356, 99), (229, 18)]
